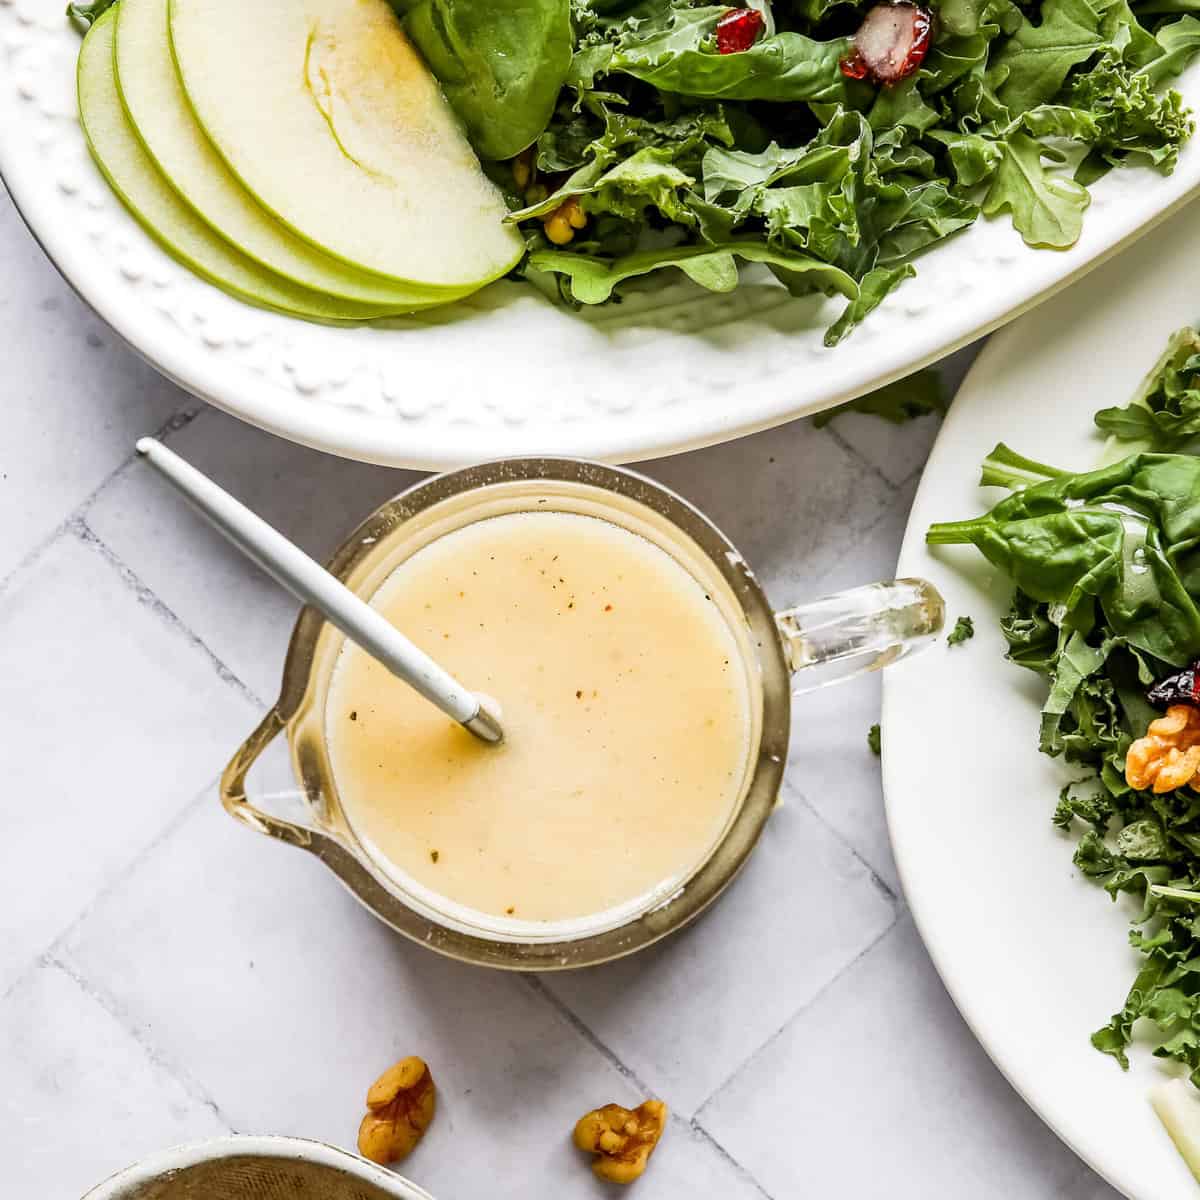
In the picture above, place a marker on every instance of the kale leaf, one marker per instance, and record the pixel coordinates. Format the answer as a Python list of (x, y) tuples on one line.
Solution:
[(963, 631)]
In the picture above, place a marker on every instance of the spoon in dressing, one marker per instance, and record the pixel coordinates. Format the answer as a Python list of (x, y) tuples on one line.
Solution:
[(310, 583)]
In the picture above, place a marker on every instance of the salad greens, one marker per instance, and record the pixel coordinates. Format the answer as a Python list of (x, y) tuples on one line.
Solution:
[(1165, 413), (917, 395), (874, 742), (684, 157), (1107, 571), (84, 16), (500, 65)]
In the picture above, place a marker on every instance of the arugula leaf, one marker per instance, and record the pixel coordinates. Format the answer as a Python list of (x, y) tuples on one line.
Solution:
[(501, 67), (1046, 208)]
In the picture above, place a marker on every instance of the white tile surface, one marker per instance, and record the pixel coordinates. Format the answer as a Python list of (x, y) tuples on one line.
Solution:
[(286, 1000), (74, 398), (879, 1088), (113, 720), (217, 980), (81, 1098), (243, 616), (792, 500), (686, 1013)]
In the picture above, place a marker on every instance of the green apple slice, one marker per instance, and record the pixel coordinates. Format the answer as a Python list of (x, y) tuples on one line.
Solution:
[(148, 196), (154, 100), (328, 116), (1178, 1108)]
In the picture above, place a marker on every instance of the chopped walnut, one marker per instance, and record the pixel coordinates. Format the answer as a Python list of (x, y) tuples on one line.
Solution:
[(1168, 757), (401, 1104), (622, 1140)]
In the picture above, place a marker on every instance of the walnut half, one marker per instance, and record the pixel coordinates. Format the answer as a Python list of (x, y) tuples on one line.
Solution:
[(621, 1139), (400, 1107), (1168, 757)]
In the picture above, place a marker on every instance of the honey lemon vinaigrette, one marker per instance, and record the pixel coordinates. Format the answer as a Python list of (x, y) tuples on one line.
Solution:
[(625, 702)]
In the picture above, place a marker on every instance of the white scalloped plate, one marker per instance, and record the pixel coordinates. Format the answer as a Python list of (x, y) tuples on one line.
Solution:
[(509, 372), (1034, 955)]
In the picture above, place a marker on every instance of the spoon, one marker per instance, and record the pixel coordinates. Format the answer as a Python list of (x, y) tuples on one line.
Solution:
[(309, 582)]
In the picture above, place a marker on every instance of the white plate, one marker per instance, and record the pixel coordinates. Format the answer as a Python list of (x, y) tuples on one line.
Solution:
[(509, 372), (1034, 955)]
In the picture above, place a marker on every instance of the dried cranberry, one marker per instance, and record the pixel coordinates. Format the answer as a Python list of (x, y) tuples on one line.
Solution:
[(738, 30), (890, 44), (1181, 688), (854, 66)]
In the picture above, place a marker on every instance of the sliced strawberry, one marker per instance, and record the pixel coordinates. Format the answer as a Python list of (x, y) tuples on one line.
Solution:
[(738, 30), (890, 44)]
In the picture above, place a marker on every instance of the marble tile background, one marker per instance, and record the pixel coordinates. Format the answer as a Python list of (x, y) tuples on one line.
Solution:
[(165, 976)]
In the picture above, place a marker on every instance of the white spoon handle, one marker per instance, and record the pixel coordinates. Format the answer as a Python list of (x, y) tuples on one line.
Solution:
[(309, 582)]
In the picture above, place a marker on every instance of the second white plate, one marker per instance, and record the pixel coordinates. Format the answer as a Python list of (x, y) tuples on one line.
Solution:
[(1034, 955)]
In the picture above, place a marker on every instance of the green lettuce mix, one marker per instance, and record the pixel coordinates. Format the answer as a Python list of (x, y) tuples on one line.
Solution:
[(682, 157), (1107, 571)]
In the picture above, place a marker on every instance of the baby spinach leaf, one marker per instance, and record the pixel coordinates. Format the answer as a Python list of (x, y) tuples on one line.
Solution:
[(501, 66), (1121, 540), (788, 66), (1033, 64)]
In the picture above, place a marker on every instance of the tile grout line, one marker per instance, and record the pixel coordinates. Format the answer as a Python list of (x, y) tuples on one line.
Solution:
[(880, 883), (858, 457), (180, 419), (79, 527), (897, 912), (703, 1134), (535, 984), (57, 944), (121, 877), (155, 1056)]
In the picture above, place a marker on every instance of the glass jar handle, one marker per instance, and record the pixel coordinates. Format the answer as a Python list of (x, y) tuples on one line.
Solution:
[(860, 630)]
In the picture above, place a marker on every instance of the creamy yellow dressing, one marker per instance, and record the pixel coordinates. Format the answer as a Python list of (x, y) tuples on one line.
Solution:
[(625, 704)]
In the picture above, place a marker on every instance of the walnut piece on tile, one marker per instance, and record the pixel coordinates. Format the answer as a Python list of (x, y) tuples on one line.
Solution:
[(622, 1139), (400, 1107)]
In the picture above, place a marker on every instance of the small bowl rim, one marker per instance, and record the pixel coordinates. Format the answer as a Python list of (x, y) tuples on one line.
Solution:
[(236, 1145)]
